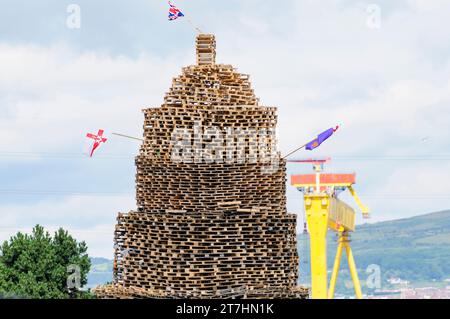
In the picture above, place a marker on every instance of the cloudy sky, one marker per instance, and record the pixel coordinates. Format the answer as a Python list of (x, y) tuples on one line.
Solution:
[(381, 69)]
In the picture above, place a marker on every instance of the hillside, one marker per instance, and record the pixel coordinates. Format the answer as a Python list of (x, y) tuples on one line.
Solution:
[(416, 249), (101, 272)]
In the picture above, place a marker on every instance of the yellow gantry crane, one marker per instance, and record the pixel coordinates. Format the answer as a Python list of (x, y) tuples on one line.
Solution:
[(325, 211)]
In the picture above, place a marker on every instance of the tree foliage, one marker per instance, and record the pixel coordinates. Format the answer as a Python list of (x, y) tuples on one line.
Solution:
[(42, 266)]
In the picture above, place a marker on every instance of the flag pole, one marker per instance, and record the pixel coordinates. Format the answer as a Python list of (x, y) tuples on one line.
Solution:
[(296, 150), (127, 136), (193, 26)]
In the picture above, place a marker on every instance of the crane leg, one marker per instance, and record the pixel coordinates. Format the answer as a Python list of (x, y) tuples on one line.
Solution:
[(364, 209), (337, 264), (353, 271), (317, 218)]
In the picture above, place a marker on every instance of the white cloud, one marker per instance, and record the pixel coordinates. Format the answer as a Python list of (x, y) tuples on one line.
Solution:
[(89, 218), (318, 62), (54, 95)]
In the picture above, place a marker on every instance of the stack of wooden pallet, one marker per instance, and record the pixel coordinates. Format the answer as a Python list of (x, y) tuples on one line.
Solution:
[(206, 229), (206, 49)]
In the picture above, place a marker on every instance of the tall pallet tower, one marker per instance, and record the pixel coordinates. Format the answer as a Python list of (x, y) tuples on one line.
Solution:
[(205, 226)]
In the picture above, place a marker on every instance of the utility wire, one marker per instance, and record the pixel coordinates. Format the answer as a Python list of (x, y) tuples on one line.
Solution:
[(126, 156), (93, 193), (61, 193)]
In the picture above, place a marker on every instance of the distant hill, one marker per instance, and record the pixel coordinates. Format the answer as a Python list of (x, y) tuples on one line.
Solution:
[(101, 272), (416, 249)]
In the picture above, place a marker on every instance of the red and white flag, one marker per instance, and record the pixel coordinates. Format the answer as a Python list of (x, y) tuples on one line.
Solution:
[(98, 139)]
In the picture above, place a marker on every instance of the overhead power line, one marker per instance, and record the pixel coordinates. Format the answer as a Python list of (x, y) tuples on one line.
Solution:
[(116, 193), (128, 156), (61, 193)]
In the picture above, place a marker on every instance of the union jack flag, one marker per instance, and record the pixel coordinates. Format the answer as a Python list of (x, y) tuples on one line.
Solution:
[(174, 12)]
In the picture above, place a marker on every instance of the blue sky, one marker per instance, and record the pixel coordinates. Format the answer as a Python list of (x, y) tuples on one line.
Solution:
[(318, 61)]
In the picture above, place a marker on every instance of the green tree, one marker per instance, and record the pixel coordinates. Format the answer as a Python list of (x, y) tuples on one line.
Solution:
[(41, 266)]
